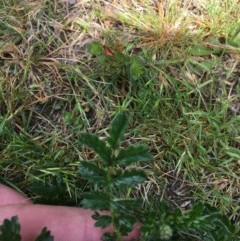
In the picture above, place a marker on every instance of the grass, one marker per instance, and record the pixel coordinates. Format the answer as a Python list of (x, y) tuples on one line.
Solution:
[(184, 103)]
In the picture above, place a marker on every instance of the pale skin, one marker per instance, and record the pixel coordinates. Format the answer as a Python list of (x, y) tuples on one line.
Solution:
[(65, 223)]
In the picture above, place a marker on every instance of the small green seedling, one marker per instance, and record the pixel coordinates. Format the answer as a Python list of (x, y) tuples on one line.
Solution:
[(114, 179), (113, 61)]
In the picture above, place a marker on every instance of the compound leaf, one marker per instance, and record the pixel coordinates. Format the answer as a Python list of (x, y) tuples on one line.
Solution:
[(10, 230), (136, 69), (96, 201), (103, 221), (127, 205), (124, 223), (132, 155), (45, 235), (129, 178), (109, 236), (97, 145), (95, 48), (92, 172), (118, 128)]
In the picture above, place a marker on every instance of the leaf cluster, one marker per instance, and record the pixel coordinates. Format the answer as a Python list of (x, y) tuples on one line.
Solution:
[(201, 222), (112, 178), (113, 61)]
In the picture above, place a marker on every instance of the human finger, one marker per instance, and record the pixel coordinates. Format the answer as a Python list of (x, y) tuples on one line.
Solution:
[(65, 223)]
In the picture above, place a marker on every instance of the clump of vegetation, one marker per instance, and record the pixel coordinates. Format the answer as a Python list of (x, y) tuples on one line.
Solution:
[(114, 179)]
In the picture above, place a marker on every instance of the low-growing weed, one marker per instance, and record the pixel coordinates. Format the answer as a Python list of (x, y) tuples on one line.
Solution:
[(114, 175), (114, 62), (113, 179)]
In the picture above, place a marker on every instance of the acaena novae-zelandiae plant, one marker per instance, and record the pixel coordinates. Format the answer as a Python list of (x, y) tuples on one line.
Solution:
[(112, 179)]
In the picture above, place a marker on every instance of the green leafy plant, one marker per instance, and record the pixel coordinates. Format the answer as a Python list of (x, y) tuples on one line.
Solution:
[(10, 230), (201, 222), (113, 61), (114, 179), (114, 176)]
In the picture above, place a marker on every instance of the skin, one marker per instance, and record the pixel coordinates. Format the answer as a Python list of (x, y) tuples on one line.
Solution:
[(65, 223)]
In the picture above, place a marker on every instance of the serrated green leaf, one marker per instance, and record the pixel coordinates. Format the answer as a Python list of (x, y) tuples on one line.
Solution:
[(196, 211), (10, 230), (109, 237), (96, 201), (92, 172), (118, 128), (97, 145), (124, 223), (102, 59), (103, 221), (136, 69), (129, 178), (133, 154), (95, 48), (121, 58), (126, 205), (45, 235)]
